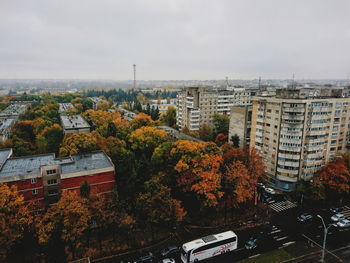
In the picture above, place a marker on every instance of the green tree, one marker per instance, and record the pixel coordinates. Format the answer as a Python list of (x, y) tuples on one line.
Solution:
[(221, 124), (169, 118), (85, 189)]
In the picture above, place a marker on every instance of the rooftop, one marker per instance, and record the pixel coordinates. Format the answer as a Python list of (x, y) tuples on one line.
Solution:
[(31, 164), (6, 124), (65, 106), (14, 109), (73, 122)]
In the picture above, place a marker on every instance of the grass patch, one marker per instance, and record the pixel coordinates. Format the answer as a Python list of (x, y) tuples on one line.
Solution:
[(274, 256)]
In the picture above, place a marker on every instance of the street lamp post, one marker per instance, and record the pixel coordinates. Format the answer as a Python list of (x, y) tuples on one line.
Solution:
[(325, 232)]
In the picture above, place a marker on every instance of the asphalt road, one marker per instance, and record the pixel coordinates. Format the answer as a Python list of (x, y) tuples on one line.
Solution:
[(283, 231)]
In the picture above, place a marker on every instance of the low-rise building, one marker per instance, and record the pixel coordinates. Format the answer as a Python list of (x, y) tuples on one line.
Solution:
[(95, 101), (5, 128), (44, 177), (13, 111), (74, 124), (65, 106)]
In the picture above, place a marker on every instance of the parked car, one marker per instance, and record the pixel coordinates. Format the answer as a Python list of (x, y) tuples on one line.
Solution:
[(145, 259), (305, 218), (270, 191), (251, 244), (170, 251), (167, 260), (337, 217), (269, 200), (336, 209), (344, 223), (260, 185)]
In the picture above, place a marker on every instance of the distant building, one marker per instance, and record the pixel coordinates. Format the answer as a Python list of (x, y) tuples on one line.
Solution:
[(44, 177), (74, 124), (240, 125), (13, 111), (197, 105), (297, 133), (65, 106), (5, 128), (177, 135), (95, 101)]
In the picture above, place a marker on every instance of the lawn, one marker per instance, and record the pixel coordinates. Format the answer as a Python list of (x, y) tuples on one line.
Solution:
[(274, 256)]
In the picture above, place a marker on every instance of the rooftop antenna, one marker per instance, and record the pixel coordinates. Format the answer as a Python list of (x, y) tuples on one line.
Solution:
[(134, 66)]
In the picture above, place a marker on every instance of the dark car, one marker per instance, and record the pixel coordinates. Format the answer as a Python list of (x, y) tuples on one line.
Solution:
[(305, 218), (336, 210), (269, 200), (251, 244), (145, 259), (170, 251)]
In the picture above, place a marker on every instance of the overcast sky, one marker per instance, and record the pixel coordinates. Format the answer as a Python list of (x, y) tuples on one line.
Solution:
[(174, 39)]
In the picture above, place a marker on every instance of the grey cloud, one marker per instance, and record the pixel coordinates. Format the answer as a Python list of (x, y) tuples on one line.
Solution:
[(182, 39)]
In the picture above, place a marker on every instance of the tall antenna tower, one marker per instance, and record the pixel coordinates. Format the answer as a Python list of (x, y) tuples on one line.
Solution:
[(134, 66), (259, 83), (227, 82)]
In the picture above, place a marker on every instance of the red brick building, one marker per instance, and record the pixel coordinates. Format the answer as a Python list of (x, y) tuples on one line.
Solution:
[(43, 177)]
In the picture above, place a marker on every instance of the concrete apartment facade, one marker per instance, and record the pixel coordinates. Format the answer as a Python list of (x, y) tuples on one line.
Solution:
[(42, 178), (296, 134), (197, 105), (240, 125)]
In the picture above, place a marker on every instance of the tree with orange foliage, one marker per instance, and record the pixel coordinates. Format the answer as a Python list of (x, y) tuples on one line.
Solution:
[(104, 105), (157, 207), (220, 139), (15, 218), (74, 143), (242, 170), (65, 222), (333, 179), (197, 167), (145, 139), (140, 120)]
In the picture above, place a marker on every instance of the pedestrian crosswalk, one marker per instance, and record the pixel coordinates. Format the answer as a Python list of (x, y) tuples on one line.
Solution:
[(346, 212), (281, 206)]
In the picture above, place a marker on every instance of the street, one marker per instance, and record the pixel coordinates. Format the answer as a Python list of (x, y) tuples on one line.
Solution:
[(301, 240)]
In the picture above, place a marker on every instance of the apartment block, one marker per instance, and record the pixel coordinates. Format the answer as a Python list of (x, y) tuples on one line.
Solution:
[(297, 134), (13, 111), (240, 125), (197, 105), (42, 178)]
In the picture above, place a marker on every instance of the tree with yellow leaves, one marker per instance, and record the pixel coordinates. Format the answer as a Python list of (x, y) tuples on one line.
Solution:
[(65, 222), (74, 143), (15, 218)]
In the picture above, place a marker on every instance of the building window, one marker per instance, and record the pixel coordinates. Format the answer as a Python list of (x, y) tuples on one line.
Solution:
[(52, 181), (34, 191), (52, 192), (33, 180), (53, 171)]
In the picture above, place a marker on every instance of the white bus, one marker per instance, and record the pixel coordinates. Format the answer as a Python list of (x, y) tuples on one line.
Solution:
[(209, 246)]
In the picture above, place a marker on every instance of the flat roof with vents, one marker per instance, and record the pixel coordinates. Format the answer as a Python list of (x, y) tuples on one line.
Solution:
[(71, 122)]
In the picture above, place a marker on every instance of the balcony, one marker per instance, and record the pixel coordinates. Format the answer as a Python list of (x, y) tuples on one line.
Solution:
[(291, 178), (286, 163), (286, 171), (296, 109), (290, 149), (293, 117), (289, 156)]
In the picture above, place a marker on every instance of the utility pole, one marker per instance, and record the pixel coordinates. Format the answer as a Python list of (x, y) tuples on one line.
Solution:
[(134, 66)]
